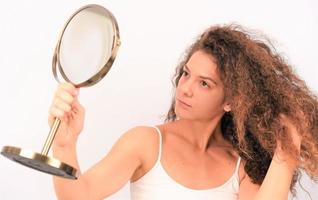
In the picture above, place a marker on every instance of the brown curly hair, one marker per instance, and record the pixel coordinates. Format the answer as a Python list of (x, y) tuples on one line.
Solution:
[(259, 85)]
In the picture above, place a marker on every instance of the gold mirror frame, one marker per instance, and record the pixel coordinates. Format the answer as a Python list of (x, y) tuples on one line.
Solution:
[(97, 77), (42, 162)]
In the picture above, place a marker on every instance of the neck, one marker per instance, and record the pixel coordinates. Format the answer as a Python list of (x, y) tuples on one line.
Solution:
[(201, 133)]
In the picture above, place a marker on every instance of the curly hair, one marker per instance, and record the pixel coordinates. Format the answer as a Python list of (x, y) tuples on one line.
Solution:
[(259, 84)]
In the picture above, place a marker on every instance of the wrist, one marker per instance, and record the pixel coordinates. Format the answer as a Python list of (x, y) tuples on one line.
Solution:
[(64, 147), (285, 158)]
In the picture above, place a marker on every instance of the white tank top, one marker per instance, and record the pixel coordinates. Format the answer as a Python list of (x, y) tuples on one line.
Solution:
[(156, 184)]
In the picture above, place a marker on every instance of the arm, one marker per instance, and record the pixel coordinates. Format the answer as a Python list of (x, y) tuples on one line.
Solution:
[(109, 174), (276, 183), (279, 176)]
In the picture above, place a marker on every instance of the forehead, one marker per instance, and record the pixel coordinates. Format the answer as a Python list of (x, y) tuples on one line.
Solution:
[(203, 64)]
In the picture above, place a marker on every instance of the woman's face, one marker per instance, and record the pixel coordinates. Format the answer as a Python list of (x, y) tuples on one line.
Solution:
[(200, 89)]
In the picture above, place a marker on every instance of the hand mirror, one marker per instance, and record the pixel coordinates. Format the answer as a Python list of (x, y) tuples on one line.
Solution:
[(84, 53)]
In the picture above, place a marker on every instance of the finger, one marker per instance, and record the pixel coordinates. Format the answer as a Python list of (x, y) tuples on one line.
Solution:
[(68, 87), (52, 118), (65, 96), (61, 105), (55, 112)]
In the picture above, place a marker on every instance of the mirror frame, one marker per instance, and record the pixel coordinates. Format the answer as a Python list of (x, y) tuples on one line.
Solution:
[(104, 70)]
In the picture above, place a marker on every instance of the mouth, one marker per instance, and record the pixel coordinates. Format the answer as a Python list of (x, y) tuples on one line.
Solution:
[(183, 103)]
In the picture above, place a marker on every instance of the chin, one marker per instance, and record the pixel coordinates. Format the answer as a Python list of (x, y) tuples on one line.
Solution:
[(182, 115)]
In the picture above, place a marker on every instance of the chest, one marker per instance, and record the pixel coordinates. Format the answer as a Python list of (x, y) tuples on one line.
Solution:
[(195, 169)]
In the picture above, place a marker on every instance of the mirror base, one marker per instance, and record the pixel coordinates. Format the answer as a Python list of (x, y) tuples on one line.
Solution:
[(39, 162)]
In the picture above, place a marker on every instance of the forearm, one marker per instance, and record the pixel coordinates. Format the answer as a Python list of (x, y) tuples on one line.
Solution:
[(276, 184), (65, 188)]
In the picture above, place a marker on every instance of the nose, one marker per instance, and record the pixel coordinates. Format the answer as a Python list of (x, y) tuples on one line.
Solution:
[(186, 88)]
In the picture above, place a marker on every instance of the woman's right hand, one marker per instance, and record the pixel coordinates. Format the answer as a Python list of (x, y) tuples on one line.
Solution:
[(66, 107)]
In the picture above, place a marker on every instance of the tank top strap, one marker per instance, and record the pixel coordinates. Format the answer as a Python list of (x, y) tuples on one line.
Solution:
[(160, 143), (237, 165)]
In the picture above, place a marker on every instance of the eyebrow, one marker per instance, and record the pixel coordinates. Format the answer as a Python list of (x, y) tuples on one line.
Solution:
[(203, 77)]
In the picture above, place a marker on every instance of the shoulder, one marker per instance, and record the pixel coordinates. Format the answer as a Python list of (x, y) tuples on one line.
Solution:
[(248, 188), (142, 135), (142, 140), (241, 168)]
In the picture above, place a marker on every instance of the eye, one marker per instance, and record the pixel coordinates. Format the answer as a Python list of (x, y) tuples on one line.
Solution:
[(204, 84), (184, 73)]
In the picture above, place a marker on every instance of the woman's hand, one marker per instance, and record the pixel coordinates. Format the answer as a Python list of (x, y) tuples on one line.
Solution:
[(279, 177), (286, 155), (66, 107), (292, 130)]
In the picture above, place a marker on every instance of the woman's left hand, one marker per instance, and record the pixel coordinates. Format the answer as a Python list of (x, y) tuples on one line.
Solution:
[(292, 130)]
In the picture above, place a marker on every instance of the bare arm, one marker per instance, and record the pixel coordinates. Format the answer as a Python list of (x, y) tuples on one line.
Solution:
[(276, 183), (279, 176), (108, 175)]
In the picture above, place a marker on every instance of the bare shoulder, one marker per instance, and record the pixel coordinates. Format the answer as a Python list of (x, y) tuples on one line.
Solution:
[(144, 140), (245, 180), (126, 156), (248, 189), (143, 135), (233, 155), (139, 134)]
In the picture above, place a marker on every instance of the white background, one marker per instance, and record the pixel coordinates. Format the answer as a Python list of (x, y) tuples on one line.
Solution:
[(138, 89)]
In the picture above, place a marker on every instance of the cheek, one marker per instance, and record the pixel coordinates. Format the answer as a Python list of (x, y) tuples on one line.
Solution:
[(210, 103)]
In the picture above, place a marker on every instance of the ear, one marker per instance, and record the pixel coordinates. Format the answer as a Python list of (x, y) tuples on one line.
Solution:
[(227, 107)]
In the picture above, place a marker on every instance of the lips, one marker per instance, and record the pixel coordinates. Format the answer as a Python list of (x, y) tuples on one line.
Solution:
[(183, 102)]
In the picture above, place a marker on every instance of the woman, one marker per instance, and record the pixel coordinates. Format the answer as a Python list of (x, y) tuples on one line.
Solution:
[(240, 126)]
